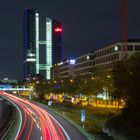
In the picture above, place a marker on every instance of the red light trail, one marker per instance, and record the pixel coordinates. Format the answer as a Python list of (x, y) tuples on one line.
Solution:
[(48, 128)]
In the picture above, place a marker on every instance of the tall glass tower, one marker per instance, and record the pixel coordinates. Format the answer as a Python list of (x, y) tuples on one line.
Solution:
[(31, 39), (53, 44), (33, 44)]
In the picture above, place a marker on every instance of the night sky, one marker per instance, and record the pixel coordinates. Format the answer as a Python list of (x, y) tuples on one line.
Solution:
[(88, 25)]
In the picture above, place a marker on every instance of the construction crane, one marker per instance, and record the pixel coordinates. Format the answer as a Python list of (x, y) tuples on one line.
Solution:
[(124, 27)]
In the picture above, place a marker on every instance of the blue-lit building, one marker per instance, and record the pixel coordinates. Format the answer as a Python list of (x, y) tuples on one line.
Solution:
[(30, 43), (35, 48)]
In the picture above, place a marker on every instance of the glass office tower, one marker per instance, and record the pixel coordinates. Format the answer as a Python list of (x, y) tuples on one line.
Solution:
[(31, 33), (33, 44), (53, 44)]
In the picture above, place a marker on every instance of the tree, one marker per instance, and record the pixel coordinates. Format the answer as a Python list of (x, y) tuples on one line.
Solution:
[(126, 76), (94, 84), (69, 85), (103, 82), (41, 89)]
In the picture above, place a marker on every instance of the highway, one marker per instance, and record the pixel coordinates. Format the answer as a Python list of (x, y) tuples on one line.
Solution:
[(39, 123)]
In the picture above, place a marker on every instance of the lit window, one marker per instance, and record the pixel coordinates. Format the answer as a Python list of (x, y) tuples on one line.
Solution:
[(87, 57), (116, 48)]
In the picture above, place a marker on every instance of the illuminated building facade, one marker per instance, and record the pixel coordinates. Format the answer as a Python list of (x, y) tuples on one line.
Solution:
[(53, 44), (102, 59), (106, 57), (63, 70), (33, 45), (30, 42), (82, 65)]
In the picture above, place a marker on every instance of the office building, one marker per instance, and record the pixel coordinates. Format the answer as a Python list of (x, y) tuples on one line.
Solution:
[(63, 69), (82, 65), (30, 41), (107, 56), (33, 52), (102, 59), (54, 44)]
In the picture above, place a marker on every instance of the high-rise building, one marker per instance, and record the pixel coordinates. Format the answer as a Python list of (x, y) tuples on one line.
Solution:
[(54, 44), (33, 45), (30, 44)]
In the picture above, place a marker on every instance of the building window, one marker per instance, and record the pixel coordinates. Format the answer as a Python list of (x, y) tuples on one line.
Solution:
[(92, 57), (119, 47), (130, 47), (107, 51), (116, 48), (111, 57), (137, 47), (110, 50)]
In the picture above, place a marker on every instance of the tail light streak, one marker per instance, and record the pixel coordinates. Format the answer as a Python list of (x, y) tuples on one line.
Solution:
[(49, 126)]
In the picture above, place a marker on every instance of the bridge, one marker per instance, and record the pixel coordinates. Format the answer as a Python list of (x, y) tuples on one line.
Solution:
[(15, 89)]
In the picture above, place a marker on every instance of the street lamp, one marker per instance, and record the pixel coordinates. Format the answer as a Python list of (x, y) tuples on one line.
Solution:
[(92, 78), (37, 82), (108, 76), (71, 80)]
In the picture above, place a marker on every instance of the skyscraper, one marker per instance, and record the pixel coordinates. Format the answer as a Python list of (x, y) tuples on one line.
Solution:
[(54, 43), (32, 45), (31, 37)]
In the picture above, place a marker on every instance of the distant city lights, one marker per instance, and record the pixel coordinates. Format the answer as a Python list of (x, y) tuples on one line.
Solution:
[(61, 63)]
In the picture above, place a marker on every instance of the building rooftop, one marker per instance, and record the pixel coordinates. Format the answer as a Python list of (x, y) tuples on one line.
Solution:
[(133, 40)]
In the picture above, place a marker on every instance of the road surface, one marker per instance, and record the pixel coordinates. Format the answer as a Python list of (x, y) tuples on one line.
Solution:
[(39, 123)]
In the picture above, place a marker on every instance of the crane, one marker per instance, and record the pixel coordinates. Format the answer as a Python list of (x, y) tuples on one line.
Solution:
[(124, 27)]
